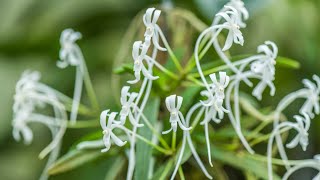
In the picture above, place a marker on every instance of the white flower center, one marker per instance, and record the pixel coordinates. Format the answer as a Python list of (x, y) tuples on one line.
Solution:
[(67, 45), (105, 132), (125, 107), (137, 62), (235, 26), (149, 30), (174, 113)]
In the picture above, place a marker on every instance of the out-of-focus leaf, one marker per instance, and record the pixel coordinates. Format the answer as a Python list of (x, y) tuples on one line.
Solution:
[(11, 12), (125, 68), (10, 72), (115, 168), (288, 63), (247, 165), (89, 137), (73, 160), (189, 95), (229, 132), (248, 98), (165, 169), (194, 21), (144, 151)]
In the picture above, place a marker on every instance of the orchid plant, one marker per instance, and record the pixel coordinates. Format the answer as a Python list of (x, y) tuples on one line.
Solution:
[(149, 113)]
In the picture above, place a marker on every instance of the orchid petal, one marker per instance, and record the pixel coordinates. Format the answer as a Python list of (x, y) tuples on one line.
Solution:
[(229, 41), (117, 140)]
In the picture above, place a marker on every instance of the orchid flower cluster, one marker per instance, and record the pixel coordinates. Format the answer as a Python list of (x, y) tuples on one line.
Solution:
[(133, 103), (311, 93), (32, 96), (219, 92)]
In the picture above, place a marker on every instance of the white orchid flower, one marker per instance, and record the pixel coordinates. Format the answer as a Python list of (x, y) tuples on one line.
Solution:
[(26, 88), (214, 104), (216, 100), (150, 19), (128, 106), (265, 67), (20, 126), (210, 111), (69, 53), (312, 102), (173, 104), (108, 127), (232, 17), (139, 66), (31, 95), (243, 12), (303, 125)]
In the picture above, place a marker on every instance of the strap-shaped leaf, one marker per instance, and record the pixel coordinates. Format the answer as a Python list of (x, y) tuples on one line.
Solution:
[(247, 164), (144, 151), (73, 160)]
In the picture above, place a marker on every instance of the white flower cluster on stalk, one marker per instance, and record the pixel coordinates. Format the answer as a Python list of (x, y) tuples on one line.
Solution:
[(222, 90), (220, 97), (311, 94), (261, 67), (30, 96), (70, 54), (133, 103)]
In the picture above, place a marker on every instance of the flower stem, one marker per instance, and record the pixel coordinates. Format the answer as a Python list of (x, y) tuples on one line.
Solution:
[(91, 93), (276, 161), (154, 131), (204, 50), (84, 124), (174, 141), (195, 81), (163, 69), (171, 54), (160, 149), (265, 137), (181, 173)]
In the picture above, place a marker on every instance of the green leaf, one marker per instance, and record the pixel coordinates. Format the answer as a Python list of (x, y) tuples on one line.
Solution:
[(165, 169), (88, 137), (125, 68), (288, 63), (247, 164), (144, 151), (115, 168), (73, 160), (190, 94)]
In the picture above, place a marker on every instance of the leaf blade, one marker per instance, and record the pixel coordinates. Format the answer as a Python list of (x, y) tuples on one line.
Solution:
[(144, 151)]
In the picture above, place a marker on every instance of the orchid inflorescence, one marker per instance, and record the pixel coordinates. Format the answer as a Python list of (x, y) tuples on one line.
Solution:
[(220, 97), (32, 95)]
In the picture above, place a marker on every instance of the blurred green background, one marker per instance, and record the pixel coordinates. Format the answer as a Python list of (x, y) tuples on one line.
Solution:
[(29, 39)]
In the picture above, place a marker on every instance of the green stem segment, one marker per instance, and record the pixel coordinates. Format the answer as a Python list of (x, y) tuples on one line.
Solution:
[(84, 124), (181, 174), (91, 93), (174, 141), (171, 54), (160, 149), (155, 132)]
